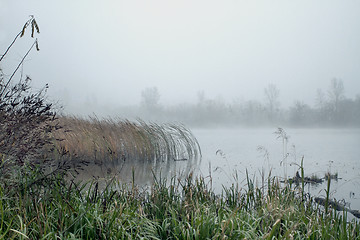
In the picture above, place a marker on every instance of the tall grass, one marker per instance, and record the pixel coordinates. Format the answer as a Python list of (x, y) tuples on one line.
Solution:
[(107, 140), (170, 209)]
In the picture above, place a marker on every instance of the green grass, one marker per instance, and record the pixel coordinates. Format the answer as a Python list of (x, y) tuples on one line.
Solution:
[(173, 209)]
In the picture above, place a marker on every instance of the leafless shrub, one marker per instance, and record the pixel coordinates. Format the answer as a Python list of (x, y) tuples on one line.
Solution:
[(26, 119)]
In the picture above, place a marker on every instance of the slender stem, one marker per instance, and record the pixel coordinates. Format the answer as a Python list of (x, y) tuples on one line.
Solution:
[(327, 193), (17, 68), (2, 56), (19, 34)]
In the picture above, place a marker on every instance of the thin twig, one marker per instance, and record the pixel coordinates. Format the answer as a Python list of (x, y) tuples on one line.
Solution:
[(17, 68), (21, 33), (2, 56)]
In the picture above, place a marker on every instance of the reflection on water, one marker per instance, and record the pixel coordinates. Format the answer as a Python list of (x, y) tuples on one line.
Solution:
[(127, 151), (141, 172), (230, 152)]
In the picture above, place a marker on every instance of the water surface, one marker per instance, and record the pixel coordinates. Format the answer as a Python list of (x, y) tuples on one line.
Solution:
[(230, 151), (227, 153)]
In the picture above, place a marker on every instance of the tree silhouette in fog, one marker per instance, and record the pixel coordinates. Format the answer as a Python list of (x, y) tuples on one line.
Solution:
[(272, 100), (150, 98), (336, 94)]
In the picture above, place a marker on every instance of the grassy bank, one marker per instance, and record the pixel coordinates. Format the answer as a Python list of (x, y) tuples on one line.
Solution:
[(178, 209)]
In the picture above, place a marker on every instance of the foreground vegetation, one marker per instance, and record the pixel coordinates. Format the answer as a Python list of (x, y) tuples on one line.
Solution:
[(178, 209)]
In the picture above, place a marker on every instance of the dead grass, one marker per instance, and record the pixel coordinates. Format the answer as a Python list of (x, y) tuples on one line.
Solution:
[(105, 140)]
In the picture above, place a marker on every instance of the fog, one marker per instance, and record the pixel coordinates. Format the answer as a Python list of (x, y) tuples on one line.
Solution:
[(102, 56)]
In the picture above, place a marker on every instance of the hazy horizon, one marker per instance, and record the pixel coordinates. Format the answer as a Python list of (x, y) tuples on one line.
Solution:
[(111, 51)]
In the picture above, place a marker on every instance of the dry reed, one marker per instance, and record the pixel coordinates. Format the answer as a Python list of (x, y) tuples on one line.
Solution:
[(108, 140)]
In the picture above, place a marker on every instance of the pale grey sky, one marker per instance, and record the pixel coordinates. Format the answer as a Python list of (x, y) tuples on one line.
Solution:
[(112, 50)]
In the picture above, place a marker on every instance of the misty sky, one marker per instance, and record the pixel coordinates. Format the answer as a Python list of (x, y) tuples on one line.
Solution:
[(111, 50)]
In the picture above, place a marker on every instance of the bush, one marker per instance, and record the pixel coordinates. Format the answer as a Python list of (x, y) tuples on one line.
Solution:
[(26, 120)]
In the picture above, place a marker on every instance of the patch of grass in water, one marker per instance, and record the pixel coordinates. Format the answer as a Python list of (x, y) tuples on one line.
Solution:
[(110, 140)]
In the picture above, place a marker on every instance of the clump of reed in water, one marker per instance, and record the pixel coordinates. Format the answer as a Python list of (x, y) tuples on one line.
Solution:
[(122, 140)]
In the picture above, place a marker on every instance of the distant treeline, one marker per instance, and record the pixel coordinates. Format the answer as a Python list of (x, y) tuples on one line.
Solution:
[(253, 113), (331, 109)]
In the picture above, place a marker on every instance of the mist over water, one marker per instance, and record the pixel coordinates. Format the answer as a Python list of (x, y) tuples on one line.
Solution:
[(231, 71)]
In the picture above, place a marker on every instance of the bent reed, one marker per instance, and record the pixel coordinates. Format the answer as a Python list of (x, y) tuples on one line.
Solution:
[(112, 140)]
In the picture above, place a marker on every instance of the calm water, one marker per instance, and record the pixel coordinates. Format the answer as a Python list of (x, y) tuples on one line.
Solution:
[(324, 150), (227, 152)]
